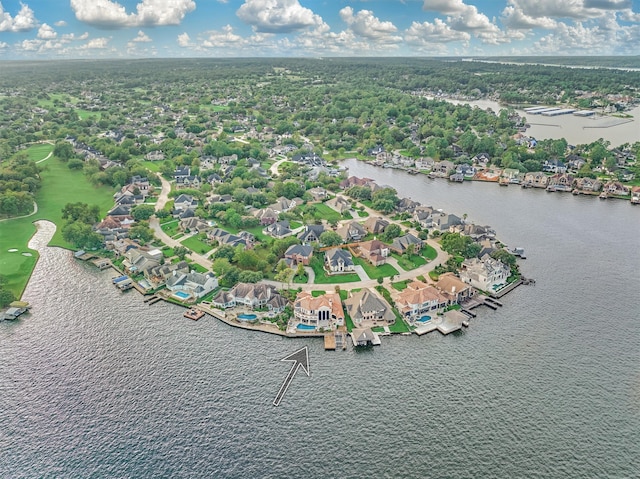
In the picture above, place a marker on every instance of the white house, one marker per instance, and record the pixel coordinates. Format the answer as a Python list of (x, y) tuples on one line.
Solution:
[(486, 274), (195, 284)]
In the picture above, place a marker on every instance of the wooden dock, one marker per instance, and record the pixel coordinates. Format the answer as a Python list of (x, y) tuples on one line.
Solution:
[(330, 341), (193, 313)]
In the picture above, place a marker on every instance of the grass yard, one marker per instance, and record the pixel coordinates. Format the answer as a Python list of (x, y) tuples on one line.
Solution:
[(429, 252), (375, 272), (171, 227), (84, 114), (323, 278), (399, 326), (317, 293), (196, 244), (400, 285), (38, 152), (152, 165), (326, 213), (409, 264), (60, 186)]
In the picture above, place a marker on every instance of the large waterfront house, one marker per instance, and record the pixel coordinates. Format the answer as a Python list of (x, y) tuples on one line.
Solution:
[(444, 221), (323, 312), (138, 261), (338, 260), (560, 182), (454, 288), (367, 309), (485, 274), (616, 188), (193, 283), (536, 179), (588, 184), (159, 274), (418, 298), (258, 295)]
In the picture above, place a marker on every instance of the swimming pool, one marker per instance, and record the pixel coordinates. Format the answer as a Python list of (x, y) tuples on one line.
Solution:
[(182, 295), (247, 317), (424, 319), (305, 327)]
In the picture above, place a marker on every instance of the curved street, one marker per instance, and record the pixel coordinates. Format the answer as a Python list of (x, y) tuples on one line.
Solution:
[(423, 270)]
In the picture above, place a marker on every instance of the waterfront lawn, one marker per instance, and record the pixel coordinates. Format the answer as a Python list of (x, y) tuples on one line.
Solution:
[(348, 322), (399, 326), (196, 244), (60, 186), (415, 261), (325, 212), (323, 278), (375, 272), (171, 227)]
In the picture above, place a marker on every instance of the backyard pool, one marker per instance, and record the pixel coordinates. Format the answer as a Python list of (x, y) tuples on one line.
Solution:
[(424, 319), (305, 327), (247, 317), (181, 295)]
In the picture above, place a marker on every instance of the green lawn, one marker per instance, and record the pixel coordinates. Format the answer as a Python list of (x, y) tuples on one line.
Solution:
[(399, 326), (429, 252), (325, 212), (323, 278), (84, 114), (317, 293), (400, 285), (409, 263), (375, 272), (38, 152), (196, 244), (60, 185), (171, 227), (152, 165)]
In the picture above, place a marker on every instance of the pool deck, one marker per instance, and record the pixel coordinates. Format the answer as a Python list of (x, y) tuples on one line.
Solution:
[(447, 323)]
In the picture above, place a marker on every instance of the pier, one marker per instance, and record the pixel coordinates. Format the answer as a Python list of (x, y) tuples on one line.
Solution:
[(330, 341)]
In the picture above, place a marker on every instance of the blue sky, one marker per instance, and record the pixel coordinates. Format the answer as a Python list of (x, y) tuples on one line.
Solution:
[(50, 29)]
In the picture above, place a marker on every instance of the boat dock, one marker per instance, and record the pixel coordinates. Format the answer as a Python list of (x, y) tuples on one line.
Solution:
[(193, 313), (123, 282), (330, 341), (153, 299), (102, 263)]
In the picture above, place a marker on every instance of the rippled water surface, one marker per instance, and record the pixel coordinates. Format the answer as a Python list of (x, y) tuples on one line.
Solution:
[(95, 383)]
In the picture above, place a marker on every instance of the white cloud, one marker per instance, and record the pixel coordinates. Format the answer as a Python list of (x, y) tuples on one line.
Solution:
[(184, 40), (277, 16), (573, 9), (60, 23), (433, 35), (365, 24), (3, 45), (149, 13), (46, 32), (513, 17), (223, 38), (446, 7), (141, 38), (24, 20), (97, 43)]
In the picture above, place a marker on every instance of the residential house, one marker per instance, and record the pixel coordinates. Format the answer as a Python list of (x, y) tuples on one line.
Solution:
[(283, 204), (278, 230), (424, 216), (253, 295), (367, 309), (191, 181), (338, 260), (616, 188), (486, 274), (224, 238), (419, 298), (114, 228), (340, 204), (181, 173), (513, 175), (588, 184), (318, 193), (444, 221), (554, 166), (442, 168), (311, 234), (351, 231), (298, 254), (374, 251), (402, 243), (424, 163), (407, 205), (560, 182), (267, 216), (375, 225), (195, 284), (535, 179), (138, 261), (635, 195), (193, 225), (159, 274), (120, 212), (456, 290), (362, 337), (322, 312), (184, 202)]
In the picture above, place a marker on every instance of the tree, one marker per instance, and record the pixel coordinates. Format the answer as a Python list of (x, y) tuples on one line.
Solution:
[(141, 232), (390, 232), (81, 212), (330, 238), (143, 212), (81, 235), (181, 252), (63, 150)]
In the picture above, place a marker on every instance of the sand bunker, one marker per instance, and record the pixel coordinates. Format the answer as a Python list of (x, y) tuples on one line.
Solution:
[(27, 254), (13, 250)]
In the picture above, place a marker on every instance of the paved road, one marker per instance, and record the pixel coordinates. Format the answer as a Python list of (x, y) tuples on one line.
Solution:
[(154, 224), (274, 168)]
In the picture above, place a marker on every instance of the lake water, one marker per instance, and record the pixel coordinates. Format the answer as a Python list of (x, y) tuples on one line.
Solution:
[(575, 129), (95, 383)]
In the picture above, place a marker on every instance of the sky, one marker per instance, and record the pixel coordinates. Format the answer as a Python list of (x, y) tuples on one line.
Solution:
[(51, 29)]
